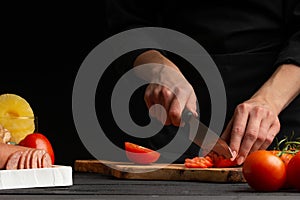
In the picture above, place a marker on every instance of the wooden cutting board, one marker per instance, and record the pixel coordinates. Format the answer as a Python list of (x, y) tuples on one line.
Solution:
[(157, 171)]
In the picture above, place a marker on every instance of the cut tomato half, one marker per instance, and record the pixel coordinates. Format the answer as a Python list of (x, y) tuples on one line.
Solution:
[(139, 154)]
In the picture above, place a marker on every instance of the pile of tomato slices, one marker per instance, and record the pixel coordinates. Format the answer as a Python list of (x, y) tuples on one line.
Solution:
[(211, 160)]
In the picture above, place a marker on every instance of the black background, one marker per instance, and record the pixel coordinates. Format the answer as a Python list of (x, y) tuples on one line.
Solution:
[(42, 48)]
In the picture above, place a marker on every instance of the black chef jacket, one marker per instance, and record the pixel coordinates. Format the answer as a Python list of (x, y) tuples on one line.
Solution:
[(247, 40)]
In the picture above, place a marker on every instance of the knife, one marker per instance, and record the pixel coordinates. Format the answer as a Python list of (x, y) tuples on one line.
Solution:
[(204, 137)]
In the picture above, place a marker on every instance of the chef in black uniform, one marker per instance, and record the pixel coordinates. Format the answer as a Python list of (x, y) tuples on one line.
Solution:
[(256, 47)]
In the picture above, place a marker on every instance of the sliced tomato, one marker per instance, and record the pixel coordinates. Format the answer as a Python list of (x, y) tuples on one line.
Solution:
[(139, 154), (221, 161), (198, 162), (211, 160)]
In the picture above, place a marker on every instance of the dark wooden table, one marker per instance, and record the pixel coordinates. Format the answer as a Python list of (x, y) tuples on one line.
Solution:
[(97, 186)]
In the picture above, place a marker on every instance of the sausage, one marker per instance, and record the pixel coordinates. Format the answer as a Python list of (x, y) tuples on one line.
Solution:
[(21, 164), (46, 160), (40, 157), (28, 159), (13, 160), (34, 159)]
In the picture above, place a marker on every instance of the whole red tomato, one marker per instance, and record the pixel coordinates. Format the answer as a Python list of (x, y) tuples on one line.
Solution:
[(293, 172), (38, 141), (264, 171), (139, 154)]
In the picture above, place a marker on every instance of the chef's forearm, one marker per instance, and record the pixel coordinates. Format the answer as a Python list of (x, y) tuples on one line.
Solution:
[(281, 88), (153, 56), (156, 67)]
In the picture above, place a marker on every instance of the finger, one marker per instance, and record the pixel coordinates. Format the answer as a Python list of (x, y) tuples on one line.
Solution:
[(175, 112), (176, 108), (191, 104), (262, 135), (166, 98), (250, 137), (149, 101), (273, 131), (156, 99), (239, 122), (147, 97), (226, 134), (159, 109)]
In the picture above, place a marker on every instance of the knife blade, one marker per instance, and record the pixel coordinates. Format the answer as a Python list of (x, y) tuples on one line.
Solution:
[(204, 137)]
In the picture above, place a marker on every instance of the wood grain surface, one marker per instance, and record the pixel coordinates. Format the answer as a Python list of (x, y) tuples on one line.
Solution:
[(160, 171)]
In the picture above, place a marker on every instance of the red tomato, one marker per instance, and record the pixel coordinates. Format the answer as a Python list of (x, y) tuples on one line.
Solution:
[(198, 162), (220, 161), (211, 160), (264, 171), (293, 172), (285, 157), (38, 141), (140, 155)]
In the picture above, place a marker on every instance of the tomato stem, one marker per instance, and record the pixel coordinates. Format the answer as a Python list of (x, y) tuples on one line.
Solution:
[(289, 146)]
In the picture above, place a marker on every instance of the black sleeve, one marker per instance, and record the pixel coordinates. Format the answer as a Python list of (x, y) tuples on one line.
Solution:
[(124, 15), (290, 53)]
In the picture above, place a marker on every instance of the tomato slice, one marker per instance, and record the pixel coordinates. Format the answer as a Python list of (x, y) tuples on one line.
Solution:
[(198, 162), (220, 161), (211, 160), (139, 154)]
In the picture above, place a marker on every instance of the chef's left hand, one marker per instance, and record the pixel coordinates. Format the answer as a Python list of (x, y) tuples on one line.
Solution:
[(253, 126)]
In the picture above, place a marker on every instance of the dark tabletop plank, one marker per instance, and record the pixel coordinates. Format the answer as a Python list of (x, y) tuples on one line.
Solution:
[(97, 186)]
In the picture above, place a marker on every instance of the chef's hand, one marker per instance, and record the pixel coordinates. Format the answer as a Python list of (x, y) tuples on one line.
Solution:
[(253, 126), (172, 103), (255, 122), (168, 88)]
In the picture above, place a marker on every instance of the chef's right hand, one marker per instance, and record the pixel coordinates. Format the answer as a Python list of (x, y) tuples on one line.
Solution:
[(168, 88), (172, 103)]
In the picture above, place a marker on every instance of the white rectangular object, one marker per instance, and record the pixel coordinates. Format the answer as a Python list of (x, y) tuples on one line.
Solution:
[(43, 177)]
